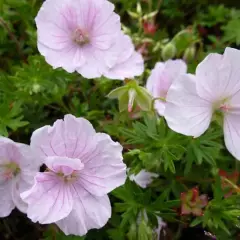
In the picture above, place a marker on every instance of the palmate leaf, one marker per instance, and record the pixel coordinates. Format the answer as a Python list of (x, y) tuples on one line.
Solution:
[(206, 148), (11, 117), (232, 31)]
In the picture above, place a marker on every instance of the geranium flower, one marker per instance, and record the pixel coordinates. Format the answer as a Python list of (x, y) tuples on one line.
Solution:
[(192, 100), (82, 167), (18, 167), (161, 78), (78, 35), (143, 178), (129, 62)]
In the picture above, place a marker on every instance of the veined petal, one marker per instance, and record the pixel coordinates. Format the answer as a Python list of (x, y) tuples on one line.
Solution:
[(104, 169), (232, 133), (186, 112), (49, 200), (64, 164), (89, 212), (143, 178), (6, 202), (214, 81)]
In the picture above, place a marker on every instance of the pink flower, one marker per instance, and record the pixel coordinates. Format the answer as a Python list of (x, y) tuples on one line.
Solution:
[(192, 100), (83, 166), (161, 78), (78, 35), (143, 178), (129, 62), (17, 170)]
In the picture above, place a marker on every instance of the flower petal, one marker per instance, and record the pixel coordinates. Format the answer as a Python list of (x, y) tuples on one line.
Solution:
[(161, 78), (89, 212), (186, 112), (6, 202), (104, 169), (64, 164), (214, 81), (18, 186), (78, 134), (143, 178), (49, 200), (232, 134)]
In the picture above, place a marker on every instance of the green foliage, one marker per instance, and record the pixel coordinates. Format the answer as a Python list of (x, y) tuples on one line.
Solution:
[(54, 234), (33, 94), (231, 31)]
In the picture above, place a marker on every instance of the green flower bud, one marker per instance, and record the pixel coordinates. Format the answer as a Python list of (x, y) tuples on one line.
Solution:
[(132, 234), (36, 88), (189, 54), (132, 95), (144, 231), (169, 51)]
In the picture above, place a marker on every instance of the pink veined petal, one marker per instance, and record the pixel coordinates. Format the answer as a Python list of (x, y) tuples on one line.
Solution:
[(95, 63), (49, 200), (88, 212), (214, 80), (6, 202), (40, 142), (161, 78), (63, 58), (232, 56), (55, 23), (186, 112), (18, 186), (154, 78), (28, 159), (64, 164), (104, 169), (106, 21), (160, 107), (78, 136), (134, 66), (163, 75), (49, 141), (9, 151), (232, 133), (175, 68)]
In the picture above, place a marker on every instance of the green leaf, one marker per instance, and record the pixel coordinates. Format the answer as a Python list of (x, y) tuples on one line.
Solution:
[(232, 31), (196, 221)]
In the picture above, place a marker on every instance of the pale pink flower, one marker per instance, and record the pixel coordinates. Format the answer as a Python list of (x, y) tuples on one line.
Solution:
[(129, 62), (161, 78), (82, 167), (192, 100), (78, 35), (143, 178), (18, 167)]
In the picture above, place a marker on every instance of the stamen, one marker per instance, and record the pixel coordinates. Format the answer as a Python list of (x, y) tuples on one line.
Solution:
[(80, 37)]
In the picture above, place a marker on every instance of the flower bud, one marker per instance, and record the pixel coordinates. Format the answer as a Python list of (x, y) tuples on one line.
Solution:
[(189, 54), (144, 231), (132, 95), (169, 51)]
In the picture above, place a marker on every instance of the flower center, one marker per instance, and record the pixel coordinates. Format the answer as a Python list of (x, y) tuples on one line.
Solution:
[(222, 106), (68, 178), (10, 170), (80, 37)]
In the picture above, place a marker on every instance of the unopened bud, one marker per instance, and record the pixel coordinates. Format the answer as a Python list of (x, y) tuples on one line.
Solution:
[(131, 97), (189, 54), (169, 51)]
